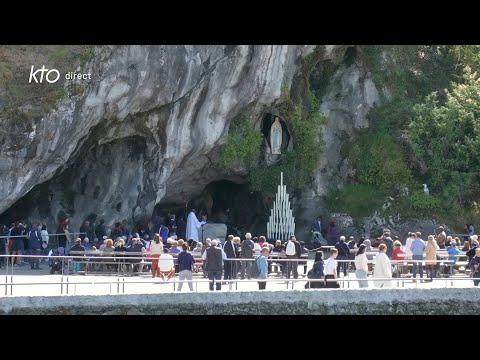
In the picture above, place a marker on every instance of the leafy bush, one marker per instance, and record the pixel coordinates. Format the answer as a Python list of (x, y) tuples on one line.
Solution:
[(421, 201), (447, 138), (380, 162), (356, 199), (243, 144)]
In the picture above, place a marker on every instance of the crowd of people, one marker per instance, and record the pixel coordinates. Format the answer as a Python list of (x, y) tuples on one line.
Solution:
[(234, 258), (386, 249)]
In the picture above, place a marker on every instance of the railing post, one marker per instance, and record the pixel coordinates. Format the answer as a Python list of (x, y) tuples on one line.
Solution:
[(6, 275), (11, 280)]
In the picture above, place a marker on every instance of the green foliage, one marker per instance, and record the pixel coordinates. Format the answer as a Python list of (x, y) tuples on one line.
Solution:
[(298, 165), (447, 138), (86, 54), (421, 201), (380, 162), (409, 71), (59, 53), (466, 55), (243, 144), (356, 199), (406, 74)]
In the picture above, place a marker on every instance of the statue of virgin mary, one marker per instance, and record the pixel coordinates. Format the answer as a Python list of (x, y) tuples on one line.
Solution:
[(276, 137)]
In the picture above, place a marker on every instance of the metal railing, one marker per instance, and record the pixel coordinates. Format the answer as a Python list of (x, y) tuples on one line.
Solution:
[(66, 284)]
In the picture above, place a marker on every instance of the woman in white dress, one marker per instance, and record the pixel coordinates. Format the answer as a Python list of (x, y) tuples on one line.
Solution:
[(383, 268), (361, 266)]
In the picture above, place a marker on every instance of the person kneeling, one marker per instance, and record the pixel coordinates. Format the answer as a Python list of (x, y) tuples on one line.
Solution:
[(166, 265)]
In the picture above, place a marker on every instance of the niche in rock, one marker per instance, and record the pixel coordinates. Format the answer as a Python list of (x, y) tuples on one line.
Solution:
[(267, 122)]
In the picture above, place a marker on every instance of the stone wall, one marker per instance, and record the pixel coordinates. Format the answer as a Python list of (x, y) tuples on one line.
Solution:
[(308, 302)]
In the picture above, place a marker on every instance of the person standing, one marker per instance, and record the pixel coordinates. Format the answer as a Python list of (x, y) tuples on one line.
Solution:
[(156, 249), (441, 238), (331, 269), (185, 263), (343, 253), (215, 257), (34, 243), (163, 231), (246, 253), (332, 233), (361, 266), (100, 230), (84, 229), (475, 267), (181, 228), (262, 265), (193, 225), (383, 268), (431, 255), (230, 266), (44, 234), (398, 267), (387, 240), (408, 244), (293, 251), (471, 253), (417, 248), (17, 244)]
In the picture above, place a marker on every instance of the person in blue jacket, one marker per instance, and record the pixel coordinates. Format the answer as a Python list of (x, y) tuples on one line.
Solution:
[(262, 265)]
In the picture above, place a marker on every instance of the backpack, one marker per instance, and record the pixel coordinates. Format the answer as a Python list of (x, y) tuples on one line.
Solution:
[(255, 271), (290, 250), (247, 249)]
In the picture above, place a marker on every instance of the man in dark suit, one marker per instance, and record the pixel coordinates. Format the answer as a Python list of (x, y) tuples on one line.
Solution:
[(214, 256), (231, 251)]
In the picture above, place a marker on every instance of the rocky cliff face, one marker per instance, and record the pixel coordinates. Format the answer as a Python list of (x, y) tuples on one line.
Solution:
[(145, 129)]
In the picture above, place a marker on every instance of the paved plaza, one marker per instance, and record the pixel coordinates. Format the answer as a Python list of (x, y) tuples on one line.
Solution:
[(27, 282)]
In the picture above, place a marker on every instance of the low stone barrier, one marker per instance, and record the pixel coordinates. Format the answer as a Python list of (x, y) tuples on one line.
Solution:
[(308, 302)]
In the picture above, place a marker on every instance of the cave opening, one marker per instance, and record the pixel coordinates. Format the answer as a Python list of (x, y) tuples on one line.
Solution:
[(248, 209), (248, 212), (267, 122)]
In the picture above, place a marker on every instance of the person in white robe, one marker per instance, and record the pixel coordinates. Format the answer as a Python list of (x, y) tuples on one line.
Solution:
[(192, 226), (383, 268)]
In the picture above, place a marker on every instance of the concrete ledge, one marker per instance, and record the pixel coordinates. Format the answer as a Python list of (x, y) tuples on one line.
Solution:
[(307, 302)]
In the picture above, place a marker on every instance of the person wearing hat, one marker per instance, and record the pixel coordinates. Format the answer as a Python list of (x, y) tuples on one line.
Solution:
[(475, 266), (452, 258)]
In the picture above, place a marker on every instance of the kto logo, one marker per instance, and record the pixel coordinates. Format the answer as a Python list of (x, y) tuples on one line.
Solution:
[(51, 78)]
